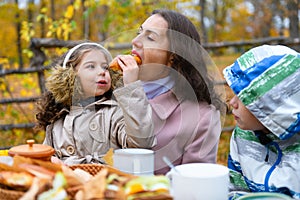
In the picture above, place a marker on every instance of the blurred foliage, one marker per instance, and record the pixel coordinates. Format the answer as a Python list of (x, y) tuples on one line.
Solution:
[(8, 33), (104, 19)]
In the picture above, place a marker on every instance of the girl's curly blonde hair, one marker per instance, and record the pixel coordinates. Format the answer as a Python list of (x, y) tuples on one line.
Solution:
[(64, 87)]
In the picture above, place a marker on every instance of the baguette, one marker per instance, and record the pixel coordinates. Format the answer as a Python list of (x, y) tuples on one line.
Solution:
[(38, 171)]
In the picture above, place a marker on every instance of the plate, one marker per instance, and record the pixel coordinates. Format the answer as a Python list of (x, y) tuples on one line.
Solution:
[(264, 196)]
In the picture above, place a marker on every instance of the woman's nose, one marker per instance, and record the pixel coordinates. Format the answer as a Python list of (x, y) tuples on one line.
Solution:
[(136, 42)]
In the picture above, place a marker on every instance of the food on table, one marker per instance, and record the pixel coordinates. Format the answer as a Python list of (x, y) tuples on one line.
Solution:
[(76, 177), (113, 184), (39, 179), (57, 192), (17, 180), (38, 171), (30, 177), (115, 66), (148, 187)]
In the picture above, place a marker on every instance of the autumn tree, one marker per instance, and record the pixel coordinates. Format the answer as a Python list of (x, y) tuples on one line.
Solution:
[(293, 7)]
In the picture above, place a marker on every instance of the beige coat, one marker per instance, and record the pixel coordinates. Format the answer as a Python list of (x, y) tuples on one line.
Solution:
[(85, 134)]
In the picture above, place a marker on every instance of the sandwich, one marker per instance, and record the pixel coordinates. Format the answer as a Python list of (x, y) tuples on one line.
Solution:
[(148, 187), (111, 183), (115, 66), (16, 180)]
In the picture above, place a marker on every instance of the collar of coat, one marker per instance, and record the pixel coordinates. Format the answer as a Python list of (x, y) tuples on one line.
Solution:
[(165, 104)]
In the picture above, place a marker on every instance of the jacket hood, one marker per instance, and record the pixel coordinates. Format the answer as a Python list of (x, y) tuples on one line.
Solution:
[(266, 79)]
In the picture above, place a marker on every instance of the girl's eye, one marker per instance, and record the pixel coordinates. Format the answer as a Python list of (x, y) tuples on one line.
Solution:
[(91, 66), (105, 67)]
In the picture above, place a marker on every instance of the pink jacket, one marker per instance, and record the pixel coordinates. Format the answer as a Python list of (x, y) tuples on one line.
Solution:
[(187, 132)]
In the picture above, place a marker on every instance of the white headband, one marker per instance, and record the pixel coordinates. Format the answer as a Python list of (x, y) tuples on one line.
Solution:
[(71, 51)]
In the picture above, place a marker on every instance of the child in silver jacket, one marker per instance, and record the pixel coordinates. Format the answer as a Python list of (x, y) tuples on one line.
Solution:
[(265, 147)]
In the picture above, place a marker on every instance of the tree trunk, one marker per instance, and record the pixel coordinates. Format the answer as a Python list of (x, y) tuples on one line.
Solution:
[(18, 30), (86, 24), (292, 6), (215, 19), (202, 4), (30, 6), (43, 31), (52, 10)]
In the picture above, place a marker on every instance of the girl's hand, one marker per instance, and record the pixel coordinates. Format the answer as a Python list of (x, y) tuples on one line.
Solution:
[(129, 67)]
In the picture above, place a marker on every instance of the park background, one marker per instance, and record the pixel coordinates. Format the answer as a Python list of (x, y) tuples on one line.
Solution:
[(33, 32)]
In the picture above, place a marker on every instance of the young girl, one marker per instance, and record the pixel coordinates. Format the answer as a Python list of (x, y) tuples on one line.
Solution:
[(264, 148), (81, 119), (176, 79)]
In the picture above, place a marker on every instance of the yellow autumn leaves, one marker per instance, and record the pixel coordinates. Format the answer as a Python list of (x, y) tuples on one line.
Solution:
[(59, 29), (62, 28)]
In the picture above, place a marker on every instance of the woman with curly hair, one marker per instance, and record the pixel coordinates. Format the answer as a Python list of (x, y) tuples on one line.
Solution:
[(79, 114), (176, 78)]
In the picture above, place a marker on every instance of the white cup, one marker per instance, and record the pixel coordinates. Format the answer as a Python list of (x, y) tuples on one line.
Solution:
[(195, 181), (134, 161)]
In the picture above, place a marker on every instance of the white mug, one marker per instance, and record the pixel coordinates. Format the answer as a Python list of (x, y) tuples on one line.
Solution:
[(198, 181), (134, 161)]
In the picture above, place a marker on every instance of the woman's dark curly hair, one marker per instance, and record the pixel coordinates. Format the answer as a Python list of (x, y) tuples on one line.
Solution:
[(189, 59)]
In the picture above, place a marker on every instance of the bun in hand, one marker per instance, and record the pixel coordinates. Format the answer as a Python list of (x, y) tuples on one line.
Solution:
[(115, 66)]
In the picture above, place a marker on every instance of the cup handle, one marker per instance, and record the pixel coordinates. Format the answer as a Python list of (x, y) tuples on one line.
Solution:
[(169, 175)]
